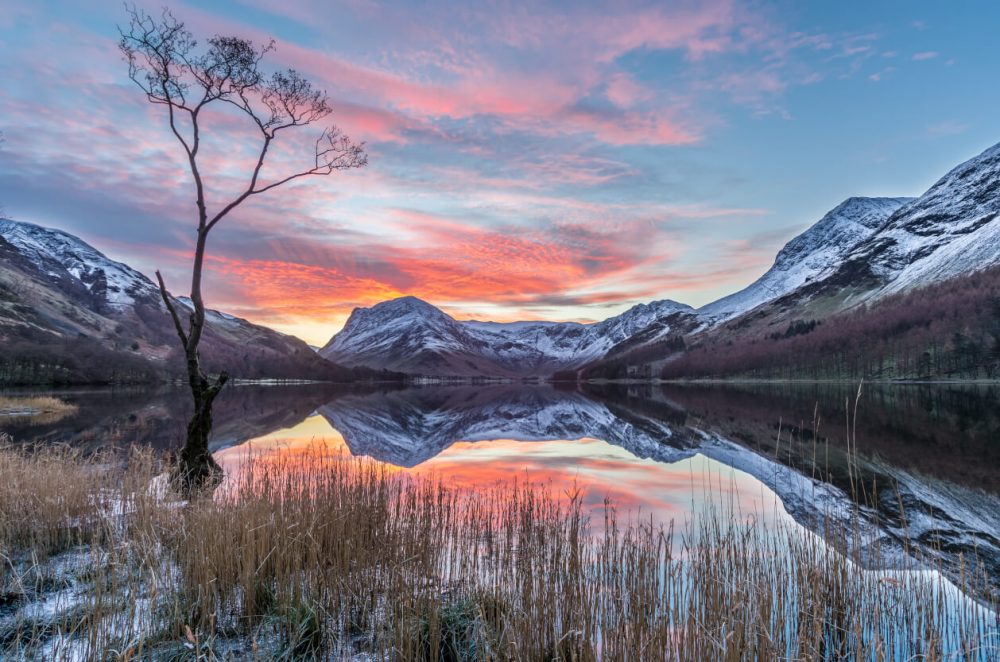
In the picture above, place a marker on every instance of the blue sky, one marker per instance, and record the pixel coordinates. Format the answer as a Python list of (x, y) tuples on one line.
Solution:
[(558, 161)]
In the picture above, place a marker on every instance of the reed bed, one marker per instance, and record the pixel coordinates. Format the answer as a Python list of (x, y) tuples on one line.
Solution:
[(39, 409), (317, 555)]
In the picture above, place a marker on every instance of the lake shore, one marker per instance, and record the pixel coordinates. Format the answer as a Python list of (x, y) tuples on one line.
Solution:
[(322, 555)]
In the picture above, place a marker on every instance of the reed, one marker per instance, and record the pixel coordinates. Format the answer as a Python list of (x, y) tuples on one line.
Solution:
[(40, 409), (317, 555)]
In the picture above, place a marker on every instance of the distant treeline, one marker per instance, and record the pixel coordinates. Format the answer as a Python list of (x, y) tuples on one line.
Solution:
[(948, 330), (46, 359)]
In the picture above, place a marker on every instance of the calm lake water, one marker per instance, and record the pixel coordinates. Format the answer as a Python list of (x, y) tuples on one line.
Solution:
[(921, 461)]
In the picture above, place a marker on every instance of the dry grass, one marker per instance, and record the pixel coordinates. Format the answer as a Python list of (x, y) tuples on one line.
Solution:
[(43, 409), (319, 556)]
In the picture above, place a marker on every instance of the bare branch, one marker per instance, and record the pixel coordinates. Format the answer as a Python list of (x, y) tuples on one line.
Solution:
[(334, 151), (165, 63), (173, 310)]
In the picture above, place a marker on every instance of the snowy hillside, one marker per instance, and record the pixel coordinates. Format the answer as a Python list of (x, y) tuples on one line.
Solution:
[(68, 313), (810, 256), (951, 229), (60, 254)]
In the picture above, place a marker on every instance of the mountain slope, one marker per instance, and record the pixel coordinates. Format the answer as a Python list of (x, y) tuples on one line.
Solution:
[(410, 335), (810, 256), (68, 313), (950, 230), (942, 247)]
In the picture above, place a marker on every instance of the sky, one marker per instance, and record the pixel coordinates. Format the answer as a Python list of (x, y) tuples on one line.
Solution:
[(559, 161)]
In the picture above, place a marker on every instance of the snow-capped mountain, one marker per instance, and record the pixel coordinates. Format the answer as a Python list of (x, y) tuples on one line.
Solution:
[(952, 229), (811, 256), (859, 253), (410, 335), (68, 313), (869, 247)]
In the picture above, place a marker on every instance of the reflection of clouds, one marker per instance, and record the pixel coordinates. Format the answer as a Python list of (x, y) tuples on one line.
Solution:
[(636, 487)]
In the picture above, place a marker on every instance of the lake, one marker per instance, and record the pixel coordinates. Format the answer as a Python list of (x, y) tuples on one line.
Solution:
[(921, 462)]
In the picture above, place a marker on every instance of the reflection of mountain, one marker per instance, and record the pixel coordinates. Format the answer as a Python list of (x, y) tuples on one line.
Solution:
[(409, 427), (924, 460), (928, 460)]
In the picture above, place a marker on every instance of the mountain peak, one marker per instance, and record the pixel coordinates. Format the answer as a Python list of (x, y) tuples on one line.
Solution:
[(953, 228), (408, 302), (869, 211), (409, 307)]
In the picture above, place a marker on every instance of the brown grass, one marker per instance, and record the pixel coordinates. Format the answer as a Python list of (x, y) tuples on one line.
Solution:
[(321, 556), (43, 409)]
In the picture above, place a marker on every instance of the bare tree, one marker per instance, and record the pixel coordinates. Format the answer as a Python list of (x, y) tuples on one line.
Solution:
[(165, 62)]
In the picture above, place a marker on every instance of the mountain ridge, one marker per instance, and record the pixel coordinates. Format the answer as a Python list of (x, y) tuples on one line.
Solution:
[(411, 335), (56, 290)]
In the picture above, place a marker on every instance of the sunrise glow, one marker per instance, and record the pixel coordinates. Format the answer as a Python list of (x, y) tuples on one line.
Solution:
[(526, 162)]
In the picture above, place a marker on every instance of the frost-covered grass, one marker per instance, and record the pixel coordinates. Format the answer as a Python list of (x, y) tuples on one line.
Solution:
[(314, 555)]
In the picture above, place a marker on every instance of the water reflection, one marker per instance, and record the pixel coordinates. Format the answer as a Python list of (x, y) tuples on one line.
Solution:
[(601, 473), (927, 466)]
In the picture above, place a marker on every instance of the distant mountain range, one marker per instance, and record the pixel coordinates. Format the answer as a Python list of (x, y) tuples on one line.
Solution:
[(69, 314), (412, 336), (60, 297), (863, 250)]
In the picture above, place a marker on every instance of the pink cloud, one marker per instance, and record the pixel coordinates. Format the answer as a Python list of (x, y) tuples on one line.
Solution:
[(624, 92)]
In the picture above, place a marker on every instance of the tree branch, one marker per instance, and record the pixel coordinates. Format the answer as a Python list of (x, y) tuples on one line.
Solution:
[(173, 311)]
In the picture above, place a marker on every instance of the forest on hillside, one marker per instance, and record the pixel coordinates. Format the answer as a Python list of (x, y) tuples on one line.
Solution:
[(948, 330)]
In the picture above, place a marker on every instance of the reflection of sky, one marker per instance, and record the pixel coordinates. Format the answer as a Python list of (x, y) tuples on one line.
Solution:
[(635, 486)]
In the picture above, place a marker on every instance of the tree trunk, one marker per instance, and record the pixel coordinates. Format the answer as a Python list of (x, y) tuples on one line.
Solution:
[(197, 467)]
